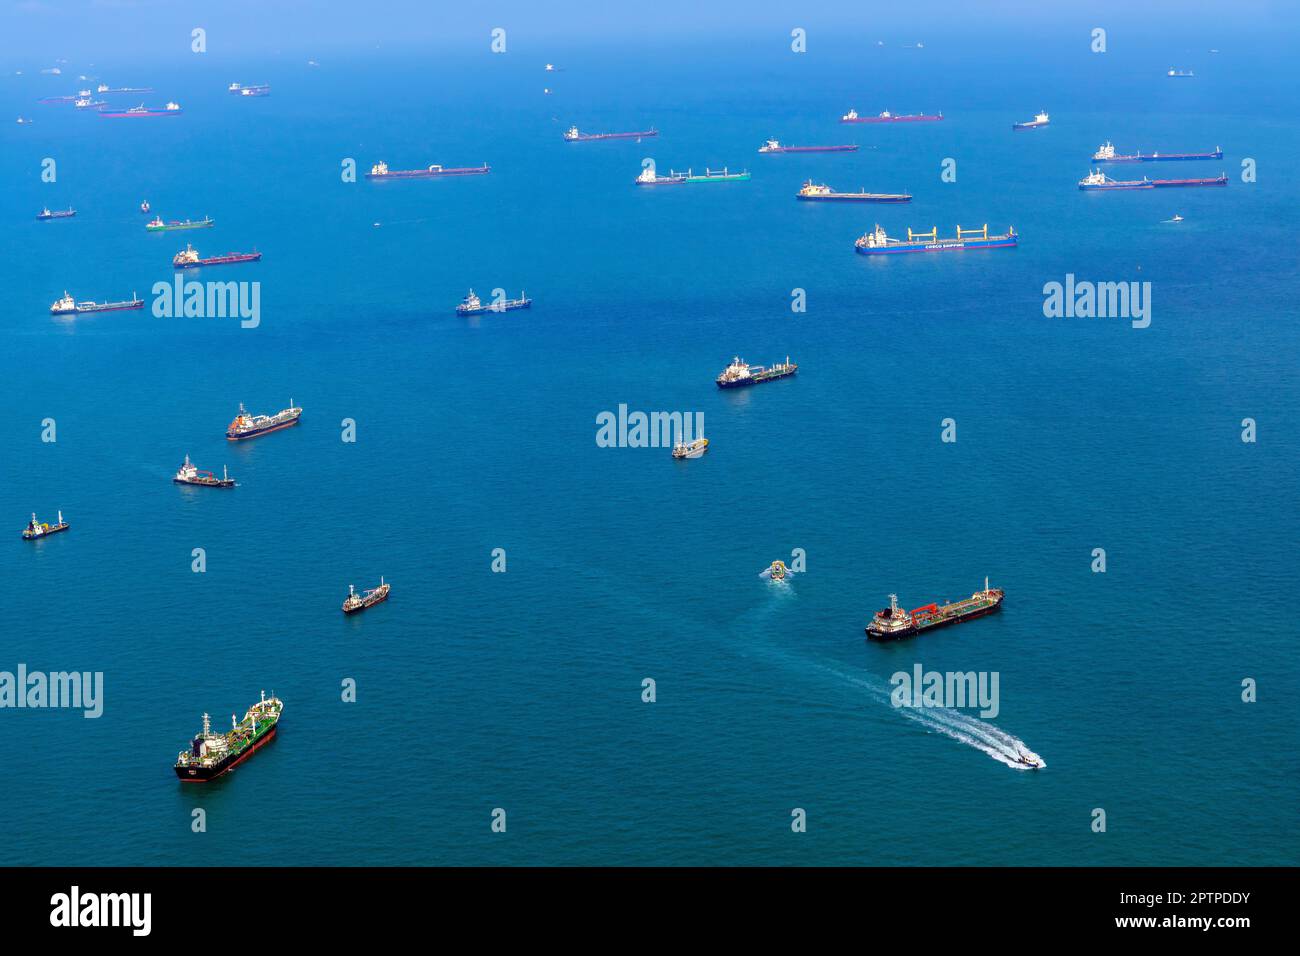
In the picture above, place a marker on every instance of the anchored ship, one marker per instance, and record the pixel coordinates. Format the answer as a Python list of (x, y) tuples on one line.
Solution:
[(1040, 119), (649, 177), (1179, 73), (571, 135), (877, 243), (45, 213), (38, 529), (250, 426), (252, 89), (473, 305), (87, 103), (157, 225), (69, 306), (772, 146), (138, 112), (1097, 180), (188, 258), (693, 449), (381, 171), (893, 622), (739, 374), (103, 88), (210, 755), (187, 474), (359, 602), (887, 117), (1219, 180), (1106, 154), (822, 193)]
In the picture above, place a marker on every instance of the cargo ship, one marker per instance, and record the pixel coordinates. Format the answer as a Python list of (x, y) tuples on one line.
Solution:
[(239, 89), (887, 117), (69, 306), (1219, 180), (693, 449), (1179, 74), (210, 755), (87, 103), (188, 258), (250, 426), (772, 146), (157, 225), (876, 243), (739, 374), (37, 529), (812, 192), (359, 602), (381, 171), (140, 112), (571, 135), (45, 214), (187, 474), (104, 88), (1040, 119), (473, 305), (1097, 180), (1106, 154), (894, 623)]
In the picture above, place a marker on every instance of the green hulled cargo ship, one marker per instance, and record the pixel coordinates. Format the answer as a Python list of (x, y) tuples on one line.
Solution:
[(716, 176), (157, 224), (210, 755)]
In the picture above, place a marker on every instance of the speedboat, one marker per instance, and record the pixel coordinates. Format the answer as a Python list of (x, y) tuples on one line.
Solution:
[(776, 572), (1032, 761), (1177, 218)]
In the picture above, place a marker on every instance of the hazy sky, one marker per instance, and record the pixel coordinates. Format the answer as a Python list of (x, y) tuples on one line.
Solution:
[(43, 30)]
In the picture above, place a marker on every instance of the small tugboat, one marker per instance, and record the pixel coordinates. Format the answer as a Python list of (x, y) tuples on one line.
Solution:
[(776, 572), (1177, 218), (694, 449), (740, 373), (144, 207), (45, 213), (893, 622), (359, 602), (36, 529), (473, 305), (187, 474), (210, 755), (1040, 119)]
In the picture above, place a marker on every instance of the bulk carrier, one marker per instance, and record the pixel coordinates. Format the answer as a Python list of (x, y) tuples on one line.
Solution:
[(1106, 154), (812, 192), (894, 623), (45, 213), (381, 171), (877, 243), (571, 135), (1099, 181), (142, 112), (739, 374), (772, 146), (250, 426), (210, 755), (157, 225)]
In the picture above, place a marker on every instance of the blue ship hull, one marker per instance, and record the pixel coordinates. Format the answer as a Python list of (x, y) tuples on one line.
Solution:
[(943, 245)]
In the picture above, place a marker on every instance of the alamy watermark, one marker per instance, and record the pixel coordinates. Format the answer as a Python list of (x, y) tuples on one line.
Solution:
[(1083, 299), (653, 430), (83, 690), (209, 300), (953, 689)]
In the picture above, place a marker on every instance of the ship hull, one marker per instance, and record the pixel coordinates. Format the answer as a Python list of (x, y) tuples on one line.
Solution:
[(1173, 183), (1115, 187), (594, 137), (811, 149), (1021, 126), (107, 114), (206, 774), (753, 380), (364, 605), (46, 533), (1158, 158), (429, 173), (177, 226), (914, 630), (893, 119), (954, 245), (858, 197), (204, 484), (258, 432), (218, 261), (487, 308)]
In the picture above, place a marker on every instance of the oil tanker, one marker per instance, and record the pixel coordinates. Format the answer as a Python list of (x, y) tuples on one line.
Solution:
[(887, 117), (894, 623), (739, 374), (812, 192), (39, 529), (772, 146), (210, 755), (250, 426), (473, 305), (1106, 154), (70, 306), (876, 243), (1097, 180), (188, 258), (359, 602), (381, 171), (46, 214), (571, 135), (188, 474)]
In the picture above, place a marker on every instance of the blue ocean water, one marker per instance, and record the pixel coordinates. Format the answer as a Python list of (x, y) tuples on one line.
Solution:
[(522, 690)]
